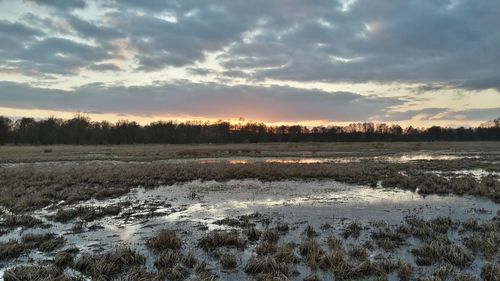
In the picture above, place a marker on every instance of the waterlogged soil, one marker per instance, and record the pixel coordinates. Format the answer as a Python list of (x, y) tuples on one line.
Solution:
[(299, 158), (329, 208)]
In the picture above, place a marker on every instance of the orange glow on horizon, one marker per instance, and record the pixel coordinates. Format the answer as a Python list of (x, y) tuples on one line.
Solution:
[(15, 113)]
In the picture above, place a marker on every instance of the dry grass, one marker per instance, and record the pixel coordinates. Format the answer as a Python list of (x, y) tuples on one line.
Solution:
[(436, 251), (384, 266), (86, 213), (312, 253), (353, 229), (216, 239), (167, 259), (26, 221), (269, 277), (53, 183), (18, 153), (265, 248), (310, 231), (265, 264), (228, 261), (11, 249), (65, 258), (334, 243), (177, 272), (285, 254), (165, 240), (485, 241), (312, 277), (490, 272), (252, 233), (139, 274), (189, 260), (358, 252), (35, 273), (426, 230), (282, 227), (462, 276), (44, 242), (405, 271), (389, 238), (270, 235), (109, 265)]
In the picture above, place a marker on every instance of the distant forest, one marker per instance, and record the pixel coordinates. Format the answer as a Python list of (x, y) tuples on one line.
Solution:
[(81, 130)]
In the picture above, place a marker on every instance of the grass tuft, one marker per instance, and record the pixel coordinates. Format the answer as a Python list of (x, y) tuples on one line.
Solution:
[(165, 240), (216, 239)]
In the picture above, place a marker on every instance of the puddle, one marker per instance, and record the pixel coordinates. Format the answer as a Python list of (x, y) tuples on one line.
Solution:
[(193, 208), (424, 157), (395, 158), (476, 173)]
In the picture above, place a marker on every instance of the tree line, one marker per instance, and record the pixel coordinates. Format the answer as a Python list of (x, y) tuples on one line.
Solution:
[(81, 130)]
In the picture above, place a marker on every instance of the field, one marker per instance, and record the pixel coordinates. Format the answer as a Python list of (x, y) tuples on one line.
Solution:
[(294, 211)]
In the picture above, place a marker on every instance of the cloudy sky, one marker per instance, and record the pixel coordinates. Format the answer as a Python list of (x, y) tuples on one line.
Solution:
[(419, 62)]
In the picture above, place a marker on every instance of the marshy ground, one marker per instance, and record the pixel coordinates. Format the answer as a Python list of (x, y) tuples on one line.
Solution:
[(367, 211)]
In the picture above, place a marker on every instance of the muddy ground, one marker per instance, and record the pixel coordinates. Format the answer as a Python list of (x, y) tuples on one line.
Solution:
[(291, 212)]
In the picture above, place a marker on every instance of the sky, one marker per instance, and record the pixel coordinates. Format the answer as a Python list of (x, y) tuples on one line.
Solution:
[(312, 62)]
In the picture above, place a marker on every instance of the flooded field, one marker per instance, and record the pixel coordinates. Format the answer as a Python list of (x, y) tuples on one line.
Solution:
[(407, 215)]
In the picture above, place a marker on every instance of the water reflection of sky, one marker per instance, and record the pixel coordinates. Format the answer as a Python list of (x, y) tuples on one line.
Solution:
[(300, 199), (396, 158), (296, 202)]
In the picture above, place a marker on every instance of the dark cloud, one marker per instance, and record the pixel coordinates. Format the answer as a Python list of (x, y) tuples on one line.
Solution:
[(433, 45), (381, 41), (480, 84), (54, 55), (61, 4), (206, 100), (14, 34), (473, 114), (200, 71), (105, 67), (161, 43), (447, 42), (443, 114), (89, 29), (421, 114)]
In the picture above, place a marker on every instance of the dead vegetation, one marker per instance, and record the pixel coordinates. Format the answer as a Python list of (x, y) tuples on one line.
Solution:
[(270, 235), (490, 272), (266, 264), (286, 254), (216, 239), (228, 261), (252, 234), (273, 258), (310, 231), (405, 271), (311, 252), (485, 237), (13, 221), (275, 261), (44, 242), (353, 229), (164, 240), (86, 213), (436, 251), (109, 265), (167, 259), (265, 248), (11, 249), (189, 260), (65, 258), (49, 184), (35, 273)]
